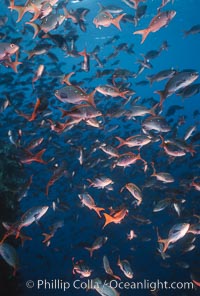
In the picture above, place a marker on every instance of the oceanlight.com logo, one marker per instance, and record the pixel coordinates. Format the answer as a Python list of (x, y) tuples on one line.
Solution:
[(57, 284)]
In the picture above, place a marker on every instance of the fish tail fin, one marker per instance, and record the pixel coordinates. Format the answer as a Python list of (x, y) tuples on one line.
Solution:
[(162, 95), (38, 156), (109, 219), (35, 27), (196, 283), (121, 142), (153, 109), (154, 170), (67, 77), (18, 232), (116, 21), (148, 77), (30, 54), (33, 115), (20, 10), (144, 33), (4, 238), (90, 251), (47, 237), (90, 98), (14, 65), (98, 210), (123, 94), (138, 157), (24, 238), (163, 141), (36, 12), (90, 181), (83, 53), (191, 150), (165, 243), (66, 13)]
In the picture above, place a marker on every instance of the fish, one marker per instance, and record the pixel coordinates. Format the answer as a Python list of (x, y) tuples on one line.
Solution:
[(162, 176), (110, 8), (38, 73), (109, 150), (82, 112), (116, 218), (10, 255), (131, 235), (136, 3), (74, 95), (134, 141), (156, 123), (125, 267), (109, 90), (33, 6), (178, 81), (85, 65), (7, 50), (59, 172), (138, 110), (80, 267), (97, 244), (23, 191), (30, 216), (108, 269), (164, 74), (88, 201), (105, 19), (193, 30), (162, 19), (53, 229), (29, 157), (102, 288), (189, 91), (177, 232), (189, 132), (135, 191), (164, 3), (49, 23), (101, 182), (126, 159), (162, 204)]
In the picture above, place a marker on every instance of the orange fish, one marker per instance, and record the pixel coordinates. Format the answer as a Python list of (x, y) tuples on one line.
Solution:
[(160, 20), (116, 218)]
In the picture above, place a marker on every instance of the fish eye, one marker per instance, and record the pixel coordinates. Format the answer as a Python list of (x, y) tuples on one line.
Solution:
[(12, 45)]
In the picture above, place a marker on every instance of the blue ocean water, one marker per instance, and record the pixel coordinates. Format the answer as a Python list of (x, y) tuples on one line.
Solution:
[(53, 263)]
